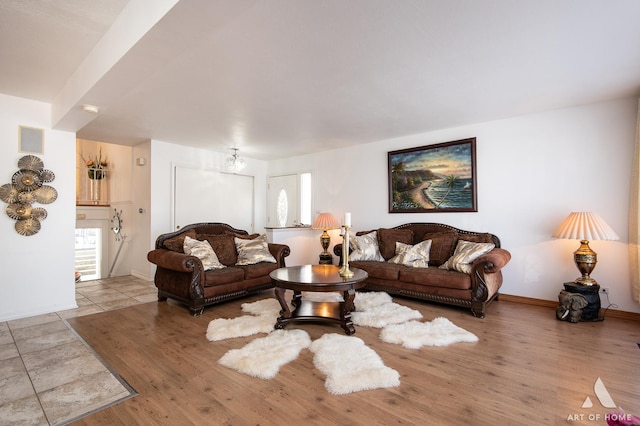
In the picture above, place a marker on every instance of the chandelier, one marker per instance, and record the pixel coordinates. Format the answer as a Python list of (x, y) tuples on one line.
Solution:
[(235, 163)]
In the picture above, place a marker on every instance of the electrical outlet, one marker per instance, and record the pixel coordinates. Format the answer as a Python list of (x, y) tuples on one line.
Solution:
[(604, 290)]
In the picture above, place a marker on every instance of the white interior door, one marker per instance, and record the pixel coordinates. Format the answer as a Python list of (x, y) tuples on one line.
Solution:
[(211, 196), (283, 201)]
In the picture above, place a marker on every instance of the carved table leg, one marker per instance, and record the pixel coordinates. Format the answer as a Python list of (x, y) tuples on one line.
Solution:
[(345, 311), (285, 312), (297, 297)]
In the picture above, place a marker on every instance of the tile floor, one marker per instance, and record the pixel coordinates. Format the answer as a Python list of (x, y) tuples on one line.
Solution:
[(48, 375)]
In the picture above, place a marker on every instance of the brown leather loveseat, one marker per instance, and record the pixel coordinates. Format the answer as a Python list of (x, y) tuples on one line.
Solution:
[(475, 288), (183, 277)]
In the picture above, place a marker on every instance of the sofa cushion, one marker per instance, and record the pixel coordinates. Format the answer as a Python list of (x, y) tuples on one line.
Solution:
[(466, 252), (224, 247), (253, 251), (416, 256), (434, 277), (442, 246), (387, 239), (376, 269), (203, 251), (227, 275), (365, 247), (177, 243), (258, 270)]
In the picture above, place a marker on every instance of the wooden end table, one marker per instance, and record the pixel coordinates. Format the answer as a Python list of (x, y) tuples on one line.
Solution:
[(316, 278)]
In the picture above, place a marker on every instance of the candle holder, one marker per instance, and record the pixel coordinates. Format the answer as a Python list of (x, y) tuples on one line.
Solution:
[(345, 272)]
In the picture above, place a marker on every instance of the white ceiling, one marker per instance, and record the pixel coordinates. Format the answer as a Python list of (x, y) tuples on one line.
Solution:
[(278, 78)]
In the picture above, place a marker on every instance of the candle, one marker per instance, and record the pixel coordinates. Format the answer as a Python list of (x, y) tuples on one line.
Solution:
[(347, 219)]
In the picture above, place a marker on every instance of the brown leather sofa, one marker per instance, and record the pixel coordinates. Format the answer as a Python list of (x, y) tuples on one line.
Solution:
[(475, 290), (182, 277)]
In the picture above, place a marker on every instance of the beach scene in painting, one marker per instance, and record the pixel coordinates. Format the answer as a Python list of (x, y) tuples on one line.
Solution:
[(432, 178)]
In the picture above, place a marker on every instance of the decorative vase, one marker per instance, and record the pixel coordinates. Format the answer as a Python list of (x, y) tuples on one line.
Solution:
[(95, 188)]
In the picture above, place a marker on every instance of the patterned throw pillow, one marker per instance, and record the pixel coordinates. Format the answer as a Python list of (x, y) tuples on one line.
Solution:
[(365, 247), (416, 256), (253, 251), (466, 252), (203, 251)]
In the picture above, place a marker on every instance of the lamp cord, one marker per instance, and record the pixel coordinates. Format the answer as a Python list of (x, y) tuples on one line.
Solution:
[(609, 305)]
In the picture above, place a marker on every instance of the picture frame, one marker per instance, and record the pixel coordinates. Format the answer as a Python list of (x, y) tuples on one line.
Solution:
[(435, 178)]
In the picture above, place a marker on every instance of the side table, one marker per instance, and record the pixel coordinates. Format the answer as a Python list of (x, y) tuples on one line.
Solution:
[(590, 292)]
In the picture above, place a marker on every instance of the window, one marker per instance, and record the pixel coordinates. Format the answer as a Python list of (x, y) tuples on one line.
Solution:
[(289, 200)]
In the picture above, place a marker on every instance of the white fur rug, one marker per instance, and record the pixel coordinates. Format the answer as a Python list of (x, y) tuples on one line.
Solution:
[(415, 334), (262, 319), (246, 325), (377, 309), (263, 357), (350, 365)]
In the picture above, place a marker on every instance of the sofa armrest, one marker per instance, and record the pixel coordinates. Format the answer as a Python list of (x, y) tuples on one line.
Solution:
[(493, 261), (279, 251), (486, 275), (174, 261)]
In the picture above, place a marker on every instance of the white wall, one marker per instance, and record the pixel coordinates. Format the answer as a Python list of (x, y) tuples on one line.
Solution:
[(532, 171), (37, 271), (158, 181)]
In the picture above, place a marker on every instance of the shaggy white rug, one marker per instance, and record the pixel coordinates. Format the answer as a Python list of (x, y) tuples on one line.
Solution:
[(373, 309), (246, 325), (262, 319), (415, 334), (377, 309), (350, 365), (263, 357), (269, 306)]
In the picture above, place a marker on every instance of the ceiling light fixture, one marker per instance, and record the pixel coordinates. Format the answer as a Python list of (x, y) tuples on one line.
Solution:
[(90, 109), (235, 163)]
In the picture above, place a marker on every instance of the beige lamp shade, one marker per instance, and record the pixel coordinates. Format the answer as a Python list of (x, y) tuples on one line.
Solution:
[(585, 226), (325, 221)]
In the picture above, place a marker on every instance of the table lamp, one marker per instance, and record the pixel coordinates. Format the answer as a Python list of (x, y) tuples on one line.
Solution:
[(324, 222), (585, 226)]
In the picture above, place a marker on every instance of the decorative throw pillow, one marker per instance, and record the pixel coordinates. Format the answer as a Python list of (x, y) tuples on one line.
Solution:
[(442, 246), (416, 256), (466, 252), (203, 251), (177, 243), (223, 245), (387, 239), (253, 251), (365, 247)]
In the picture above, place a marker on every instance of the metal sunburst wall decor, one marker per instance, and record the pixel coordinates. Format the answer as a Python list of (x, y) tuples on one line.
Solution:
[(28, 186)]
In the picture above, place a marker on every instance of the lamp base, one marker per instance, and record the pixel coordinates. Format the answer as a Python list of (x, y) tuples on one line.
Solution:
[(326, 259), (586, 260), (586, 281)]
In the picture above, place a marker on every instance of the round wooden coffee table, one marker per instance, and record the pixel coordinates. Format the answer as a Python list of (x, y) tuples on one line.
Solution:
[(316, 278)]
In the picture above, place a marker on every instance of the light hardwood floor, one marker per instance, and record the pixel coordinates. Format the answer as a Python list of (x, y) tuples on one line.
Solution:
[(527, 369)]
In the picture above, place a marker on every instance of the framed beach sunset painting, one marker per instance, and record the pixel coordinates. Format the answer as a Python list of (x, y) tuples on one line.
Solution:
[(433, 178)]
